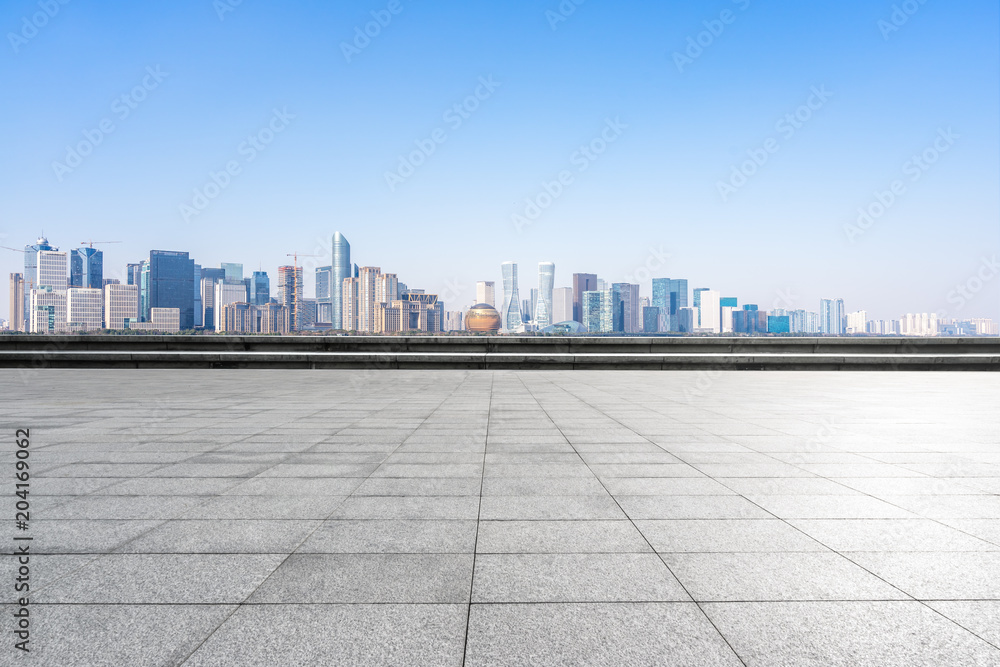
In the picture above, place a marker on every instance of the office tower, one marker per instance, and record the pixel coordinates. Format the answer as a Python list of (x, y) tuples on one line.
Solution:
[(121, 302), (233, 272), (644, 302), (661, 294), (133, 273), (652, 320), (368, 283), (86, 268), (226, 293), (687, 319), (199, 306), (510, 313), (453, 320), (324, 300), (542, 304), (582, 282), (919, 324), (592, 303), (697, 304), (206, 294), (726, 321), (709, 312), (857, 322), (729, 302), (631, 315), (307, 319), (749, 321), (48, 310), (238, 318), (290, 293), (562, 305), (486, 293), (17, 302), (670, 296), (386, 288), (52, 270), (31, 275), (340, 269), (349, 304), (84, 309), (526, 310), (272, 318), (260, 288), (831, 316), (778, 324), (170, 284)]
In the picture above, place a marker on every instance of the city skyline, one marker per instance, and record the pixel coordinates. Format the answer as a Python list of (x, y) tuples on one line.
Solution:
[(807, 148)]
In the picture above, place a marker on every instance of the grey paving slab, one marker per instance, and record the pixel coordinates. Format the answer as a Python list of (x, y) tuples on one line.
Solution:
[(392, 536), (549, 508), (228, 536), (674, 633), (559, 537), (847, 634), (116, 635), (162, 579), (398, 635), (625, 577), (408, 507), (981, 617), (725, 535), (265, 507), (690, 507), (907, 535), (369, 578), (86, 536), (938, 576)]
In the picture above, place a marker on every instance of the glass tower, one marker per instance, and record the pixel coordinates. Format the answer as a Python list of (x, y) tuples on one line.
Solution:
[(510, 314), (31, 274), (260, 289), (542, 314), (170, 284), (340, 269), (86, 268)]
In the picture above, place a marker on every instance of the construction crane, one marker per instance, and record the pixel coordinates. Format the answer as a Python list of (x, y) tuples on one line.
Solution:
[(14, 249), (90, 244), (295, 287)]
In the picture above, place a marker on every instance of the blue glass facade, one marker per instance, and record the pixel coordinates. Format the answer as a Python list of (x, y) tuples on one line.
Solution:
[(340, 269), (171, 284), (778, 324), (86, 268), (260, 288)]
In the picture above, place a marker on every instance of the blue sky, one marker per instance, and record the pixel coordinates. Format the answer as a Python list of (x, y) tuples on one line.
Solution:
[(649, 204)]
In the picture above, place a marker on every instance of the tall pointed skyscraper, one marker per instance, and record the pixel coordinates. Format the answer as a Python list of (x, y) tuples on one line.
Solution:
[(510, 314), (340, 269), (543, 309)]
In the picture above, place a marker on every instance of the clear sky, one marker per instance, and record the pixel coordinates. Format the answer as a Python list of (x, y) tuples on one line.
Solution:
[(656, 191)]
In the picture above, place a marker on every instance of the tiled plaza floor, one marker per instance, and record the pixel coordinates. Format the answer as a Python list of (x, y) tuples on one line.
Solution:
[(282, 517)]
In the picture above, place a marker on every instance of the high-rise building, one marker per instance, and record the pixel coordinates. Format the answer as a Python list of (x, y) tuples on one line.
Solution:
[(453, 320), (226, 293), (368, 283), (670, 296), (652, 320), (290, 293), (86, 268), (307, 320), (324, 300), (687, 317), (510, 313), (260, 288), (750, 321), (52, 270), (238, 318), (199, 307), (84, 309), (778, 324), (582, 282), (272, 318), (170, 284), (709, 312), (919, 324), (349, 304), (386, 288), (857, 322), (121, 303), (542, 304), (48, 310), (340, 269), (160, 319), (630, 316), (831, 317), (16, 302), (486, 293), (31, 275), (591, 303), (562, 305), (233, 272)]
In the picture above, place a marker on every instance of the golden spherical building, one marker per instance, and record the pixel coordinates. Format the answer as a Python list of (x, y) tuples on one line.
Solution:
[(482, 318)]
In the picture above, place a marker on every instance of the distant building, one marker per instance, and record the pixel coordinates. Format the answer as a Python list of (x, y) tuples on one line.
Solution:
[(31, 276), (349, 304), (919, 324), (48, 310), (226, 293), (687, 319), (542, 303), (778, 324), (486, 293), (709, 310), (121, 303), (290, 292), (84, 309), (832, 318), (260, 288), (582, 282), (453, 321), (631, 316), (238, 318), (272, 318), (16, 322), (86, 268), (309, 311), (510, 314), (857, 322), (670, 296), (652, 319), (167, 320), (169, 284), (340, 270), (750, 321), (562, 304)]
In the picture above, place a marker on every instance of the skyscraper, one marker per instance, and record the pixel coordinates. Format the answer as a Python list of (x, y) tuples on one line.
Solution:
[(486, 293), (85, 308), (510, 314), (31, 275), (324, 299), (542, 313), (51, 271), (86, 268), (831, 316), (367, 297), (171, 284), (562, 304), (340, 269), (260, 288), (233, 271), (16, 302), (290, 293), (349, 301), (121, 302), (710, 312), (631, 315), (582, 282)]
